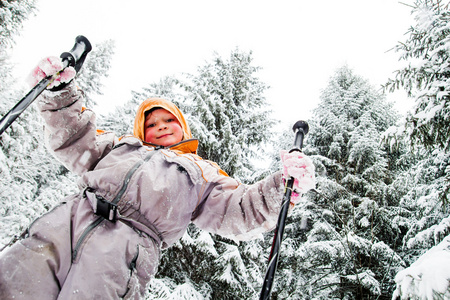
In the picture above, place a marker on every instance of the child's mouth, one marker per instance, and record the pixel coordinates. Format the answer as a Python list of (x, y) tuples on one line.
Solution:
[(163, 136)]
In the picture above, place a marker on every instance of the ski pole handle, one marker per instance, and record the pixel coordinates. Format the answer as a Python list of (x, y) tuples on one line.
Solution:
[(74, 58), (300, 128)]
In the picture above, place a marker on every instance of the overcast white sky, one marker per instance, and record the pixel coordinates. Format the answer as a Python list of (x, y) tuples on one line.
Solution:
[(299, 44)]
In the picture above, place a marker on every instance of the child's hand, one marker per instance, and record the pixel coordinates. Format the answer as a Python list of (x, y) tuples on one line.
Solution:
[(50, 66), (300, 167)]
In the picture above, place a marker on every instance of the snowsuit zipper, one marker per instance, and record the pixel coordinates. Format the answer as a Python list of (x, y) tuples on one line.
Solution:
[(88, 230), (129, 175), (116, 199)]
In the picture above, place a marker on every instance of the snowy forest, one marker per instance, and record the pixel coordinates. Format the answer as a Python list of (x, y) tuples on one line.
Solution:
[(376, 226)]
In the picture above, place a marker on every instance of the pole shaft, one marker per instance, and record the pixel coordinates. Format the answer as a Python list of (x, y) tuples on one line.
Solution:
[(276, 243), (300, 129), (15, 112)]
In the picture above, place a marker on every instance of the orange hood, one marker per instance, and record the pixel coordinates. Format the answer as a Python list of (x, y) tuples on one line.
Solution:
[(150, 103)]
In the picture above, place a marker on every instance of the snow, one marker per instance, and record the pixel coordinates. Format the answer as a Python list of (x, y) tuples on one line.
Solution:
[(429, 113), (185, 291), (428, 277), (367, 280), (433, 233)]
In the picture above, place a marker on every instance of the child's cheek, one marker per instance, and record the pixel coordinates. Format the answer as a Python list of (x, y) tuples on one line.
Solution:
[(179, 131), (149, 136)]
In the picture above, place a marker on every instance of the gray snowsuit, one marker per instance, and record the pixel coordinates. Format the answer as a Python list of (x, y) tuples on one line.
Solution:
[(134, 199)]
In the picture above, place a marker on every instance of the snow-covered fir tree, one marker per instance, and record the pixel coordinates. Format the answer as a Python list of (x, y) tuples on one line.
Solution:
[(12, 14), (426, 75), (340, 241), (230, 115), (426, 78), (426, 131)]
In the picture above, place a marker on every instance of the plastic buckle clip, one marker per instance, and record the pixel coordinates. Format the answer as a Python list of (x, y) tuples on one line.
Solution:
[(106, 209)]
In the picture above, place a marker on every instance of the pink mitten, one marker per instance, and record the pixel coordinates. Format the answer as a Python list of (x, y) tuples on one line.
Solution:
[(300, 167), (50, 66)]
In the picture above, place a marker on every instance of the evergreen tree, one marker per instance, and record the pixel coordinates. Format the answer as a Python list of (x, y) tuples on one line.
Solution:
[(426, 182), (427, 128), (229, 113), (12, 14), (340, 241), (426, 76)]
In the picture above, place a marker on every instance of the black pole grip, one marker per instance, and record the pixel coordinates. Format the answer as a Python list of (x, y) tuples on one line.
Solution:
[(300, 128), (75, 57)]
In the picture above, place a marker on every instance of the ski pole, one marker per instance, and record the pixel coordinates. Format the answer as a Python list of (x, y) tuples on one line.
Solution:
[(74, 58), (300, 128)]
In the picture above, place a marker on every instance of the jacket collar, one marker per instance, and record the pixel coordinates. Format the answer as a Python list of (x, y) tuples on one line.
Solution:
[(186, 146)]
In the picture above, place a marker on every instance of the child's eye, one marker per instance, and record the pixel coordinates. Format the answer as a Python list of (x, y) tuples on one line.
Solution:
[(170, 120), (150, 125)]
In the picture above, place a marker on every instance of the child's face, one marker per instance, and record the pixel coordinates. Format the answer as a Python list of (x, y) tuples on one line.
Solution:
[(162, 128)]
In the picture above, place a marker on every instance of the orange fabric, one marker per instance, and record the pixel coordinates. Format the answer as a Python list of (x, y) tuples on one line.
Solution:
[(189, 146), (150, 103)]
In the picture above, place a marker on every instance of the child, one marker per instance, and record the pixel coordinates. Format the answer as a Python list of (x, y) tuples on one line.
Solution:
[(137, 196)]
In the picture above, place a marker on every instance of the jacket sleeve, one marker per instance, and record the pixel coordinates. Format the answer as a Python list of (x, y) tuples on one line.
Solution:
[(238, 211), (70, 130)]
